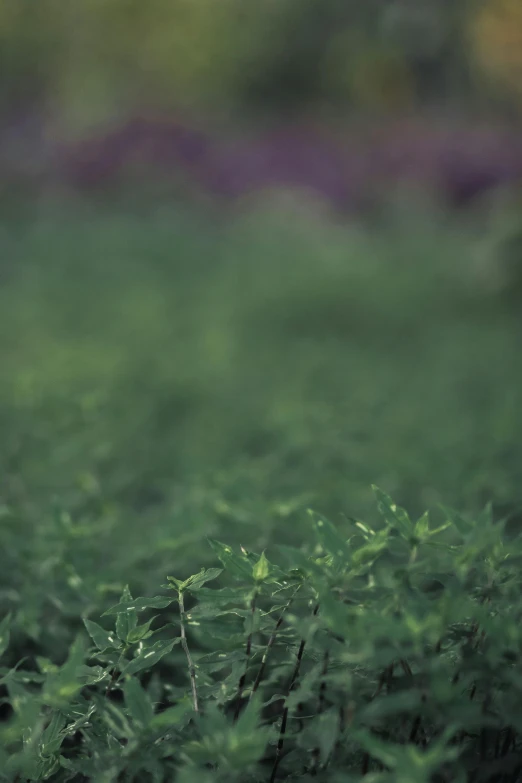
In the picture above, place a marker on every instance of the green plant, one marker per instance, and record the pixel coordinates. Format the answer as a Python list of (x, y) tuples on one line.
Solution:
[(386, 654)]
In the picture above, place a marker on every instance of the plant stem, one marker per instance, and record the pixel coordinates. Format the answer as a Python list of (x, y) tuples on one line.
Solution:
[(316, 752), (284, 721), (114, 673), (243, 677), (271, 642), (191, 667)]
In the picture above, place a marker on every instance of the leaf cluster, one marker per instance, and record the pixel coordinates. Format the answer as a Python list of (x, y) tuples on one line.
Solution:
[(390, 654)]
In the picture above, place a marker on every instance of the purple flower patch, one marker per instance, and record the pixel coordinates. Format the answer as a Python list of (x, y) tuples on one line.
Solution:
[(460, 163)]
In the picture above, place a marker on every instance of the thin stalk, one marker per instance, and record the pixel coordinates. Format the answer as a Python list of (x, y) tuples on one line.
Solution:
[(114, 673), (243, 677), (284, 720), (316, 752), (191, 667), (415, 729), (473, 642), (509, 740), (384, 679), (270, 644), (345, 718), (322, 688)]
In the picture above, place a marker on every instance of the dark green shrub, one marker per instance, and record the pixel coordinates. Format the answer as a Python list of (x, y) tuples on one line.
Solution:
[(385, 655)]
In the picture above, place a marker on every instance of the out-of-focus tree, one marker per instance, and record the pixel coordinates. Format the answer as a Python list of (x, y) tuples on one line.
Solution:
[(159, 53), (31, 40), (367, 75), (91, 60), (495, 33)]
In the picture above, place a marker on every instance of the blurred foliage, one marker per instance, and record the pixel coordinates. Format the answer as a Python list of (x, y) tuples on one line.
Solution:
[(166, 377), (496, 34), (91, 60), (363, 647)]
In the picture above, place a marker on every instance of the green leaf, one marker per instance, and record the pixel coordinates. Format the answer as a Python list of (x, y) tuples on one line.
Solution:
[(126, 621), (47, 766), (327, 730), (369, 552), (4, 634), (141, 632), (79, 721), (173, 716), (386, 752), (140, 604), (463, 526), (485, 518), (301, 565), (237, 745), (103, 639), (198, 580), (90, 675), (61, 687), (366, 529), (330, 540), (149, 656), (82, 766), (395, 516), (410, 762), (223, 596), (261, 569), (237, 566), (116, 720), (52, 736), (422, 527), (46, 666), (137, 702)]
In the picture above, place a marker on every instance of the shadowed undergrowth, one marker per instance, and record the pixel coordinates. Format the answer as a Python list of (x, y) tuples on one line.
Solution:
[(373, 654)]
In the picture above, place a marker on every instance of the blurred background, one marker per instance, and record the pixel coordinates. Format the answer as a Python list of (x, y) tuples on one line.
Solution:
[(253, 258), (96, 62)]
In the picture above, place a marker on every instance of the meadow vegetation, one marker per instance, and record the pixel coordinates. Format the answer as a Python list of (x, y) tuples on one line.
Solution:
[(171, 380)]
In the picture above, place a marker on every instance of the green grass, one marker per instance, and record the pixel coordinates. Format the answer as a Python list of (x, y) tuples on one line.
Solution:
[(167, 377)]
